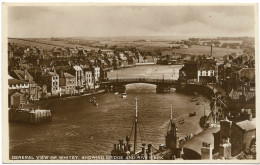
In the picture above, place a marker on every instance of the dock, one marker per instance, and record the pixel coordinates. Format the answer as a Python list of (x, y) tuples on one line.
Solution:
[(30, 115)]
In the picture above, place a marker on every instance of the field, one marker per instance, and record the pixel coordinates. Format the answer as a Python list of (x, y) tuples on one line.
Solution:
[(48, 44), (200, 50), (151, 46)]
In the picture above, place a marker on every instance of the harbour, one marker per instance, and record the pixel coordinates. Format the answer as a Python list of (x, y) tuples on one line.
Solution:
[(93, 129)]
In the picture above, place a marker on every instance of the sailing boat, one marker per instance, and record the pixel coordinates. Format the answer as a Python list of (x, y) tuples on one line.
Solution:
[(123, 150)]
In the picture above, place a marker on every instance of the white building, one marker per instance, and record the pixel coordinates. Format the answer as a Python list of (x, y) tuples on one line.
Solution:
[(17, 84), (205, 73), (79, 75), (96, 76), (96, 73), (88, 79), (51, 79)]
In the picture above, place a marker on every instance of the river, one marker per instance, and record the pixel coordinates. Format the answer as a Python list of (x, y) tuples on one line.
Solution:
[(79, 128)]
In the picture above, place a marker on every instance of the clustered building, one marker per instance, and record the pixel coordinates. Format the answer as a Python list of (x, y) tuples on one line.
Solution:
[(36, 73), (235, 74)]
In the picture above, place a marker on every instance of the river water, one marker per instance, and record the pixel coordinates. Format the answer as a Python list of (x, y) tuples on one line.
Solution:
[(80, 128)]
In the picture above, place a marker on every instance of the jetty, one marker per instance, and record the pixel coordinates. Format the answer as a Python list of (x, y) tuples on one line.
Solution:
[(30, 115)]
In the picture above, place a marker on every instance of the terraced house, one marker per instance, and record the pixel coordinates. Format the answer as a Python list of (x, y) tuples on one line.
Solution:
[(67, 84), (51, 79)]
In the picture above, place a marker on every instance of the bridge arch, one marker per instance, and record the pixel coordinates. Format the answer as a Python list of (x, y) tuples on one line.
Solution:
[(163, 85)]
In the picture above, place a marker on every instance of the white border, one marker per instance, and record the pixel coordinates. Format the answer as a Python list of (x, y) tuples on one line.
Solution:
[(122, 2)]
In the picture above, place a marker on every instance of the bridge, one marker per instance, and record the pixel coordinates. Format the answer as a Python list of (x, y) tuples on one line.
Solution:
[(118, 84)]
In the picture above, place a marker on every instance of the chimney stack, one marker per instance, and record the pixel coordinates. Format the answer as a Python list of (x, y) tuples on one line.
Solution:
[(150, 152), (181, 152), (120, 145), (206, 151), (144, 150), (225, 149), (127, 140), (225, 129), (25, 77), (129, 147), (115, 147)]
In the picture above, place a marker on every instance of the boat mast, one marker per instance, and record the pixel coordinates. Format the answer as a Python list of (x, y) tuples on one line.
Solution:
[(215, 104), (171, 112), (136, 110)]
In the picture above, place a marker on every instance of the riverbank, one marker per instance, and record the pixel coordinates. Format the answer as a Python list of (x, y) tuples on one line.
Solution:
[(148, 63), (208, 90), (44, 103)]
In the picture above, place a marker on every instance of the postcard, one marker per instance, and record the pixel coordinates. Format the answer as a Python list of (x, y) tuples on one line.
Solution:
[(130, 83)]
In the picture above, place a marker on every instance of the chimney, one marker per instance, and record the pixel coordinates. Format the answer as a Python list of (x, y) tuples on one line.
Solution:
[(25, 76), (181, 152), (127, 138), (61, 73), (246, 114), (225, 149), (144, 150), (125, 147), (129, 147), (120, 145), (206, 151), (115, 147), (225, 129), (150, 152)]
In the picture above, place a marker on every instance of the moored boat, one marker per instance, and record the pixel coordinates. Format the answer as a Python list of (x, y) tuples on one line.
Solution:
[(181, 121), (192, 114), (124, 95), (96, 103), (193, 99)]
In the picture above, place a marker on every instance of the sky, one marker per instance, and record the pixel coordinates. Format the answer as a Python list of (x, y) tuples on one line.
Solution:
[(109, 21)]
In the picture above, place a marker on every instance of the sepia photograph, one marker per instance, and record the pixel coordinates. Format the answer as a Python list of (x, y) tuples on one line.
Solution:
[(130, 83)]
